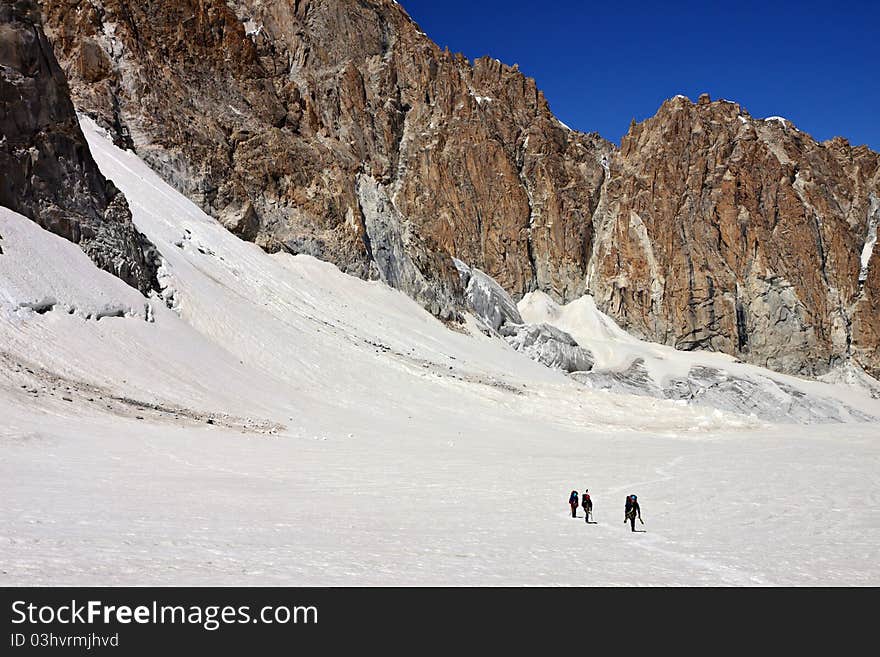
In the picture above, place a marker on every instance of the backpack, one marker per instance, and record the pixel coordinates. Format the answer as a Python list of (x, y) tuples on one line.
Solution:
[(573, 498)]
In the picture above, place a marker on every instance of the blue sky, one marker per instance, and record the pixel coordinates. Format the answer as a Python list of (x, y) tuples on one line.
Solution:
[(602, 63)]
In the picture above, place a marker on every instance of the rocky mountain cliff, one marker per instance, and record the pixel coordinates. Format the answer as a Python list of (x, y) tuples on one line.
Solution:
[(46, 170), (337, 128), (724, 232)]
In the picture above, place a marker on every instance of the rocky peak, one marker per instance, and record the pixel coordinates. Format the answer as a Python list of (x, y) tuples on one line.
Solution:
[(725, 232)]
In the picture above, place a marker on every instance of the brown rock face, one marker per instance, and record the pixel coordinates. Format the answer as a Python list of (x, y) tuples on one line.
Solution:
[(269, 114), (338, 129), (46, 170), (719, 231)]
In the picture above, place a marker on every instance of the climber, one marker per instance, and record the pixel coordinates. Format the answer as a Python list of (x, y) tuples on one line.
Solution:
[(573, 503), (632, 510), (587, 503)]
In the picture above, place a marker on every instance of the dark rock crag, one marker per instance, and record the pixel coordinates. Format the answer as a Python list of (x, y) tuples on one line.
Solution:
[(48, 173)]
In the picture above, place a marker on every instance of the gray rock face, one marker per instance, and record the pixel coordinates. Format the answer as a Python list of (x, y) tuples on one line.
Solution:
[(486, 298), (549, 346), (778, 326), (392, 244), (541, 342), (46, 170)]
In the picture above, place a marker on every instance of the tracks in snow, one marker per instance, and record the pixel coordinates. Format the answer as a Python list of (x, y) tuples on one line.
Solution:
[(656, 543)]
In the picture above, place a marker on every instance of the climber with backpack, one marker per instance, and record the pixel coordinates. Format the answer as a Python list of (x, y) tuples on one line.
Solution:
[(587, 503), (573, 503), (632, 510)]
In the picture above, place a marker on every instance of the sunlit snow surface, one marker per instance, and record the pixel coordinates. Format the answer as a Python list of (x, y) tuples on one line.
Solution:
[(624, 363), (354, 439)]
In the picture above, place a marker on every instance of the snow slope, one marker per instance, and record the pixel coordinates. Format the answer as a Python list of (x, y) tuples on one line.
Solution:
[(288, 424), (716, 379)]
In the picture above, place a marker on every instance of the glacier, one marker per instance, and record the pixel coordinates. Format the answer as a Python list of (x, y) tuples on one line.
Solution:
[(269, 420)]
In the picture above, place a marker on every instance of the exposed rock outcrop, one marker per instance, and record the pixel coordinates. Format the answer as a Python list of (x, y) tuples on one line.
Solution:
[(497, 311), (390, 242), (486, 298), (723, 232), (277, 118), (46, 170)]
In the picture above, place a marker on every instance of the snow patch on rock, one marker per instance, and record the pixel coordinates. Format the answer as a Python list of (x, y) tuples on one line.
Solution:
[(870, 237), (779, 119)]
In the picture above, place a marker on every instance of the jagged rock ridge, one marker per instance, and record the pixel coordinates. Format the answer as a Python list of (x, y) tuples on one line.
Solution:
[(338, 129), (723, 232), (268, 115)]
